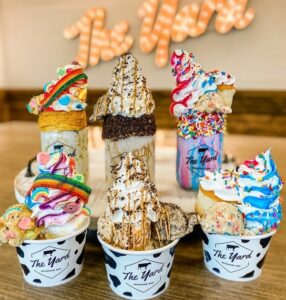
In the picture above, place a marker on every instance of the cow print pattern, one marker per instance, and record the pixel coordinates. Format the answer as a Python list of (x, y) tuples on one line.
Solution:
[(80, 258), (76, 256), (248, 275), (215, 267), (261, 262), (20, 252), (79, 238), (264, 242), (109, 261), (114, 260), (37, 281), (162, 287), (172, 251), (205, 239), (70, 274), (156, 255), (117, 254), (116, 282), (207, 256), (25, 269)]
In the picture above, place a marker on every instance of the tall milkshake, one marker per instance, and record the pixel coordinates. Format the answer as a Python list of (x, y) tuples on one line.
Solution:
[(200, 101)]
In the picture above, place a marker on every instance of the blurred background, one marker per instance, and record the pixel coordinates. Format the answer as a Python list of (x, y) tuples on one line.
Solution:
[(32, 46)]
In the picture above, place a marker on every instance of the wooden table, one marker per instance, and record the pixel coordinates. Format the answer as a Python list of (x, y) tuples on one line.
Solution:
[(190, 280)]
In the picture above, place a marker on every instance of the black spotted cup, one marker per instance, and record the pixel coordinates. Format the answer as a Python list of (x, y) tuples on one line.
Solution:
[(138, 274), (237, 258), (47, 263)]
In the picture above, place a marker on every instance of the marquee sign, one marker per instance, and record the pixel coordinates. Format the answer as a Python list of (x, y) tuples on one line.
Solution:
[(163, 22)]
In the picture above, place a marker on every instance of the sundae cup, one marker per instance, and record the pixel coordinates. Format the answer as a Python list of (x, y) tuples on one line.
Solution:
[(240, 215), (127, 113), (62, 116), (201, 111), (139, 233), (49, 229)]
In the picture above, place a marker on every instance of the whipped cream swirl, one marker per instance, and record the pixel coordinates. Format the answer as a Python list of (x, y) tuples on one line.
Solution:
[(133, 197), (69, 95), (193, 82), (50, 204), (128, 95), (254, 188), (261, 186), (223, 183)]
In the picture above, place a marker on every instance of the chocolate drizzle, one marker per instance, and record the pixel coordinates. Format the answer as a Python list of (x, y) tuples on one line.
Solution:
[(133, 205), (128, 95)]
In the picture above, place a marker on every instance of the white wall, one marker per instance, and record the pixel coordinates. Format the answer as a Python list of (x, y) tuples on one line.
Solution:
[(34, 44)]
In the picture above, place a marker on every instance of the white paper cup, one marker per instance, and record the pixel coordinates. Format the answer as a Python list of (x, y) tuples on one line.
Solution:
[(138, 274), (47, 263), (236, 258)]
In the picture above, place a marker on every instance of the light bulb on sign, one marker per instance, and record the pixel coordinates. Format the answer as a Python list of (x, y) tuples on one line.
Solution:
[(97, 42), (161, 23)]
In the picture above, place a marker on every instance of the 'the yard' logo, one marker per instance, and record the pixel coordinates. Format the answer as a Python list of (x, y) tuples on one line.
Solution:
[(202, 158), (50, 261), (143, 275), (232, 256)]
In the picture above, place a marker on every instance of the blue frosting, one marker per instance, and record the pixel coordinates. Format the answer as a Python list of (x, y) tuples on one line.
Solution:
[(261, 186)]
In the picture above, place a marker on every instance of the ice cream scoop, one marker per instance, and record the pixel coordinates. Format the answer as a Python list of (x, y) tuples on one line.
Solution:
[(134, 217), (179, 223), (132, 206), (260, 185), (253, 190), (223, 218)]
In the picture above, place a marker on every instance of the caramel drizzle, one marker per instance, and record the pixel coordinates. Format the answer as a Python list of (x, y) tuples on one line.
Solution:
[(129, 236)]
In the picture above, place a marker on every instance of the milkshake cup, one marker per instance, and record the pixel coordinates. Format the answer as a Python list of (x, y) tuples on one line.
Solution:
[(62, 117), (195, 156), (139, 233), (49, 228), (138, 274), (201, 107), (236, 258), (239, 212), (127, 114), (72, 142), (141, 147), (48, 263)]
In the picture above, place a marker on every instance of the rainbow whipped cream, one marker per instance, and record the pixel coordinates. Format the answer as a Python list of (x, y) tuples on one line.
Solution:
[(58, 195), (197, 89), (254, 189), (67, 93)]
